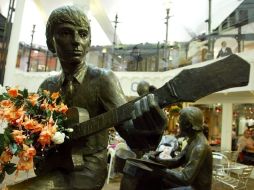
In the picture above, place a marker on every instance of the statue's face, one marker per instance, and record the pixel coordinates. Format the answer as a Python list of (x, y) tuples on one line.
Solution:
[(185, 126), (71, 43)]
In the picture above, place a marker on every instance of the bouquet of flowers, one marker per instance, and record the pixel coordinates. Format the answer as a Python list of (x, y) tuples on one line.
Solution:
[(30, 123)]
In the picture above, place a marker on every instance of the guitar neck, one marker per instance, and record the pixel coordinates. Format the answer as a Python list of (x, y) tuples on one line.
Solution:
[(188, 86), (119, 115)]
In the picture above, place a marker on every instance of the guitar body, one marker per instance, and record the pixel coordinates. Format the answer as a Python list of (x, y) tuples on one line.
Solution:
[(77, 115)]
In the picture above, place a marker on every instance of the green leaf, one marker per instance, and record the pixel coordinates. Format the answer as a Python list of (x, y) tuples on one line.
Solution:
[(1, 143), (48, 113), (1, 97), (6, 95), (28, 141), (13, 148), (7, 136), (25, 93), (2, 175), (18, 103), (10, 168)]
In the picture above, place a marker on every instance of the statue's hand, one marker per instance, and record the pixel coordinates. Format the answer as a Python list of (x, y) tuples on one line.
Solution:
[(148, 116), (156, 158), (149, 122), (76, 115), (154, 155)]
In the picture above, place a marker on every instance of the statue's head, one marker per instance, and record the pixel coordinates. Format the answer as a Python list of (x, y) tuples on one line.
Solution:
[(190, 120), (223, 43), (69, 36), (145, 88), (62, 15)]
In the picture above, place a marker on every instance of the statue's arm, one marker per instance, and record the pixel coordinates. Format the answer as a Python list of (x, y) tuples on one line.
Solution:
[(112, 96), (191, 169)]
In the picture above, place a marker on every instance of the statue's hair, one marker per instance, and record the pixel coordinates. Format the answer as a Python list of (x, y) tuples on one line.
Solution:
[(65, 14), (193, 116)]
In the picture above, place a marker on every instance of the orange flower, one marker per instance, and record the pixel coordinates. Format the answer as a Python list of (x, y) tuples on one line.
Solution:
[(62, 108), (19, 121), (45, 138), (16, 132), (46, 135), (46, 92), (44, 105), (13, 92), (51, 107), (18, 136), (20, 139), (26, 156), (6, 103), (37, 128), (55, 95), (28, 152), (31, 152), (51, 120), (24, 164), (6, 156), (1, 168), (33, 99), (29, 124)]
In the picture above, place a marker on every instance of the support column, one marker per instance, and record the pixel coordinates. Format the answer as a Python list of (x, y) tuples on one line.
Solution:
[(14, 44), (226, 128)]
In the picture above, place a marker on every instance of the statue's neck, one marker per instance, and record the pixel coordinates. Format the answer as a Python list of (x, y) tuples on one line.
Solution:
[(192, 136), (73, 68)]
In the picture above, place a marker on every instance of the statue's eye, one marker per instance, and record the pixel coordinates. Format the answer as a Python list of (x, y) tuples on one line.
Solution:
[(83, 33), (65, 32)]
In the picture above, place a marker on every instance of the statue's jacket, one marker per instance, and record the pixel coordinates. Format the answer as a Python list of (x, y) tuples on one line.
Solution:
[(97, 91)]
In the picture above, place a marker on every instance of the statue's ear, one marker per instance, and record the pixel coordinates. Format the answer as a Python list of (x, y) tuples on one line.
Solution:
[(51, 46)]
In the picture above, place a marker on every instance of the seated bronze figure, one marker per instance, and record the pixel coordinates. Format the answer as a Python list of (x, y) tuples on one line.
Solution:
[(191, 169)]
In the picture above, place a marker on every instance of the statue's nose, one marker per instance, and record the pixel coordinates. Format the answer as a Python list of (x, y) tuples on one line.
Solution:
[(76, 38)]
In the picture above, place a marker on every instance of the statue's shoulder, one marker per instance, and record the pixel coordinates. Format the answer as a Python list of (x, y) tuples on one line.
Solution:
[(53, 78), (51, 82), (96, 72)]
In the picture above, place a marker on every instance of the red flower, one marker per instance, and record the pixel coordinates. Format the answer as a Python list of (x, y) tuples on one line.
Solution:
[(13, 92)]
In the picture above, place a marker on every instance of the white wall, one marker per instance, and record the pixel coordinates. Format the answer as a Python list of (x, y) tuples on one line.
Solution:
[(129, 81)]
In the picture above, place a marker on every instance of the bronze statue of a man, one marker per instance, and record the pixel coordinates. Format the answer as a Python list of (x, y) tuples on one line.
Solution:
[(82, 163)]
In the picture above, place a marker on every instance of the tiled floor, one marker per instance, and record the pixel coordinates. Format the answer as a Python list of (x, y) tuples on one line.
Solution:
[(115, 183)]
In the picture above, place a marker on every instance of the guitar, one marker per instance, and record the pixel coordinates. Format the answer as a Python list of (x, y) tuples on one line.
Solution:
[(188, 86)]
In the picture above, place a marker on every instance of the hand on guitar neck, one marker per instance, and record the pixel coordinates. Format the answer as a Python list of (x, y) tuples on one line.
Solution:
[(145, 122), (140, 121)]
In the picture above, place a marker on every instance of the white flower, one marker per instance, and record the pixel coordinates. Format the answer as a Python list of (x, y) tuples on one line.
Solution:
[(3, 125), (58, 138), (2, 90)]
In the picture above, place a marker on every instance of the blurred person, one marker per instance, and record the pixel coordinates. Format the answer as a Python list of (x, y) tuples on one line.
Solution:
[(224, 51), (246, 148), (234, 138)]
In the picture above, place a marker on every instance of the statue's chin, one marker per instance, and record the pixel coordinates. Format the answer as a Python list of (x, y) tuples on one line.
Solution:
[(71, 63)]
